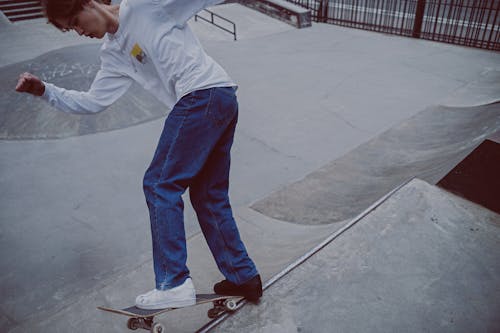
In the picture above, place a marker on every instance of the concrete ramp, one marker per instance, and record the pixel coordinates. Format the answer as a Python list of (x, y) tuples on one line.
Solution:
[(424, 261), (427, 145)]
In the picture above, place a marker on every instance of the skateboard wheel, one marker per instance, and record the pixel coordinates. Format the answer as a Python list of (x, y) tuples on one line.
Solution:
[(230, 304), (158, 328), (132, 324)]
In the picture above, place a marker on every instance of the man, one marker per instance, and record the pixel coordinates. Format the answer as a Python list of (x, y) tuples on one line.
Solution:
[(149, 41)]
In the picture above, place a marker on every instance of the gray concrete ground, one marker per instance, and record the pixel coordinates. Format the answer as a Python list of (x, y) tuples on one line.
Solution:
[(74, 226)]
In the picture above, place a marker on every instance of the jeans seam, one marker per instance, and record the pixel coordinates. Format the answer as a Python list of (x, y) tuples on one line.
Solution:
[(230, 264), (155, 192)]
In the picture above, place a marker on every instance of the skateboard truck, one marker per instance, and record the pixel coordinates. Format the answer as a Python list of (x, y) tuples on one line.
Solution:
[(147, 324), (220, 306)]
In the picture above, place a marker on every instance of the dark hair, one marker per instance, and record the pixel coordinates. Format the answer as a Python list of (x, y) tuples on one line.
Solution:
[(59, 9)]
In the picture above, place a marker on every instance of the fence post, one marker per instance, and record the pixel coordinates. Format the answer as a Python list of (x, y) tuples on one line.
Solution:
[(419, 18), (323, 11)]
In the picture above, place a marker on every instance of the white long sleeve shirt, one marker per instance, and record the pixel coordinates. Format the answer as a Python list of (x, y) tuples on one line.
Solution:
[(153, 46)]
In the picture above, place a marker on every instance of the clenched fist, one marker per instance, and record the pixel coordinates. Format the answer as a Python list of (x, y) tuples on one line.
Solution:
[(29, 83)]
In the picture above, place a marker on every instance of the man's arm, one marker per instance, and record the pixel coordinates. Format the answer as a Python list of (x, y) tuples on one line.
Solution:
[(182, 10), (106, 88)]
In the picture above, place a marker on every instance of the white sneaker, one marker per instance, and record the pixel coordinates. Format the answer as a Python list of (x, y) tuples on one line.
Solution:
[(178, 297)]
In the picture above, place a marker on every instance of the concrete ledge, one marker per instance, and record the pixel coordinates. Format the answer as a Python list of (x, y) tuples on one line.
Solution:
[(292, 14)]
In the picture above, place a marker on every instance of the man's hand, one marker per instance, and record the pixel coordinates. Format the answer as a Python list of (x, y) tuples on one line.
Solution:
[(31, 84)]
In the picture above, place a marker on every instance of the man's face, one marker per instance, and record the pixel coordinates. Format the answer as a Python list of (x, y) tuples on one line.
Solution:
[(88, 22)]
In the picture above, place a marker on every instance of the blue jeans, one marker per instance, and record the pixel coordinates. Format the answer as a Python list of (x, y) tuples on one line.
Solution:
[(194, 151)]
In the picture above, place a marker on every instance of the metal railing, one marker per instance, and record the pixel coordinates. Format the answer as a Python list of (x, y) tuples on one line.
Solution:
[(212, 21), (473, 23)]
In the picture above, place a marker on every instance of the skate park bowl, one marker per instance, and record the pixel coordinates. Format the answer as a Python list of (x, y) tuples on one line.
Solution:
[(26, 117)]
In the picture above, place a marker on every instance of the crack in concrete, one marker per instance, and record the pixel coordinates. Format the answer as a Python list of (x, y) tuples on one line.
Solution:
[(268, 146)]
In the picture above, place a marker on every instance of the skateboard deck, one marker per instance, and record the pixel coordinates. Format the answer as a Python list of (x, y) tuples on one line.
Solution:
[(140, 318)]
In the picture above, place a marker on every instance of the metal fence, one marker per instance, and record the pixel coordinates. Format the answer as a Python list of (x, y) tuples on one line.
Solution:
[(473, 23)]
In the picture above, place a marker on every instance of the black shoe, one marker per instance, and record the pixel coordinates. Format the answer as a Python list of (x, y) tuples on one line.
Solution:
[(251, 290)]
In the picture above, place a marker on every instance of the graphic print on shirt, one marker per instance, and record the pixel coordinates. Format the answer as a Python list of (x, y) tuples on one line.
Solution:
[(138, 53), (144, 66)]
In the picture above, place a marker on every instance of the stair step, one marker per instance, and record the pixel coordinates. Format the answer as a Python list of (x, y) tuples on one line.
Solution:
[(25, 17), (33, 4), (10, 13), (17, 2), (19, 10)]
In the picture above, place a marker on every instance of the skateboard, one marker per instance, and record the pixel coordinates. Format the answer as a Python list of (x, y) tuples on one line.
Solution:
[(144, 319)]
